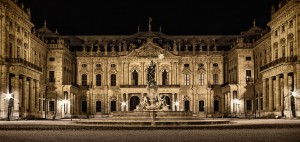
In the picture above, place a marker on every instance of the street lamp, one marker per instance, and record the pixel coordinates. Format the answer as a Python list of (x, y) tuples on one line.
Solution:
[(292, 104), (235, 101), (63, 104), (124, 105), (10, 104), (176, 105)]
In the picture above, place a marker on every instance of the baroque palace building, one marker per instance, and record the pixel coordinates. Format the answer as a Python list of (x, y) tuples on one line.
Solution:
[(45, 74)]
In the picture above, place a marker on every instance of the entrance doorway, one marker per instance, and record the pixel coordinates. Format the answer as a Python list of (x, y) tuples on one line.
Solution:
[(168, 101), (134, 101), (186, 105)]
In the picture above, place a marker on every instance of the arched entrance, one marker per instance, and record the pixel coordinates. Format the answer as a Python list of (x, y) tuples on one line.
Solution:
[(134, 101)]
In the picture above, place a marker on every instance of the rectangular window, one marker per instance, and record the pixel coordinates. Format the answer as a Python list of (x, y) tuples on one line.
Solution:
[(291, 24), (51, 76), (291, 49), (44, 106), (83, 106), (215, 79), (186, 79), (84, 65), (201, 106), (113, 65), (51, 59), (51, 106), (98, 80), (18, 52), (276, 54), (249, 105), (248, 58), (248, 75), (283, 51), (201, 79), (113, 106), (98, 106)]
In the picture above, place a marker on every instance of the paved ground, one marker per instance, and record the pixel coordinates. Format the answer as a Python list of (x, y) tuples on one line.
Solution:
[(68, 124), (273, 130)]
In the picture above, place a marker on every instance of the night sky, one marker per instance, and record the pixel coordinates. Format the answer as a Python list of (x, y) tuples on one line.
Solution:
[(177, 17)]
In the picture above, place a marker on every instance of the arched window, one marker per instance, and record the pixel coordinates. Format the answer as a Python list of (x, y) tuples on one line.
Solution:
[(165, 78), (84, 80), (98, 80), (135, 78), (113, 80)]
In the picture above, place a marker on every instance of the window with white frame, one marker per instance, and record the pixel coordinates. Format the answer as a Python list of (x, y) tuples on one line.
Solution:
[(215, 79), (201, 79), (186, 79)]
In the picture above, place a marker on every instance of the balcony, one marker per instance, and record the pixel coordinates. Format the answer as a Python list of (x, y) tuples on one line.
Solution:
[(23, 62), (133, 86), (145, 86), (278, 61)]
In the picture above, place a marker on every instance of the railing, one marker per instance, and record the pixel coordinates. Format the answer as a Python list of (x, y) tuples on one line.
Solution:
[(168, 86), (279, 61), (24, 62), (133, 86), (144, 86)]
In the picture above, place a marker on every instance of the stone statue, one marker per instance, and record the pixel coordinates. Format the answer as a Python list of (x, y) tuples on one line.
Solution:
[(151, 72)]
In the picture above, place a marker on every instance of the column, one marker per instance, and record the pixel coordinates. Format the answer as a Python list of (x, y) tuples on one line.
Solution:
[(223, 103), (285, 91), (16, 97), (127, 103), (230, 102), (31, 96), (271, 95), (258, 102), (37, 95), (173, 100), (277, 97), (264, 94), (24, 95)]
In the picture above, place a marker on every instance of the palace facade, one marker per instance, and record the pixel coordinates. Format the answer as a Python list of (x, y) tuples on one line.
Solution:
[(45, 74)]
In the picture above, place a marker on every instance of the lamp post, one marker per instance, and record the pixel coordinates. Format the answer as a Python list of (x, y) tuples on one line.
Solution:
[(10, 103), (235, 101), (176, 105), (124, 106), (292, 105), (63, 103)]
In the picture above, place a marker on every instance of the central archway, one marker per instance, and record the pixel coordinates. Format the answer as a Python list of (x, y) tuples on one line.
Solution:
[(134, 101)]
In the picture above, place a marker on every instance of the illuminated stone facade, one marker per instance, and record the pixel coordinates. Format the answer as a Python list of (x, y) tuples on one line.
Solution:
[(56, 76)]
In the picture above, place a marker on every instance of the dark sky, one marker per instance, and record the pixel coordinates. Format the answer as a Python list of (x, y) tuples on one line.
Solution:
[(177, 17)]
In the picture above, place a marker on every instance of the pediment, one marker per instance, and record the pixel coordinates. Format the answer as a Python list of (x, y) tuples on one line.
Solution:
[(149, 49)]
